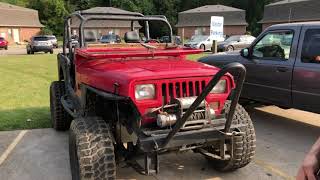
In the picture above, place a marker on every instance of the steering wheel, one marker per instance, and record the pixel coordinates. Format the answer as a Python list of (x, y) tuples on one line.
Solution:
[(278, 51), (152, 41)]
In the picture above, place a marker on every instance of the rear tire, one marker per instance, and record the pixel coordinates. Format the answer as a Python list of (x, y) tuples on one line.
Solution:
[(243, 146), (91, 149), (60, 119), (51, 51)]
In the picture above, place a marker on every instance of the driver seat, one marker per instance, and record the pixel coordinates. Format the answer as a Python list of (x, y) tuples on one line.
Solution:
[(132, 37)]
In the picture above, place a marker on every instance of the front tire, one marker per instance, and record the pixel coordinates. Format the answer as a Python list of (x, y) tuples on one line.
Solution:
[(60, 119), (91, 149), (243, 145)]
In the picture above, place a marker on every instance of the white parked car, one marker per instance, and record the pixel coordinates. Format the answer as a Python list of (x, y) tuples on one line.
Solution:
[(201, 42)]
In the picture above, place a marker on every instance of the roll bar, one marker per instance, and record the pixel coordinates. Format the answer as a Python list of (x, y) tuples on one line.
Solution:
[(84, 17)]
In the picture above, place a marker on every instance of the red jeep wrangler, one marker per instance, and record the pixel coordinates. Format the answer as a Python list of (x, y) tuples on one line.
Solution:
[(141, 99)]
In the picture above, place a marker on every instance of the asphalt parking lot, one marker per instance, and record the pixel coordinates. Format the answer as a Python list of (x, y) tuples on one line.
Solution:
[(20, 50), (283, 138)]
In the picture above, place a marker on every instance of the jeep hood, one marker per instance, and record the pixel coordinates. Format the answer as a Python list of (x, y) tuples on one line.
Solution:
[(124, 72)]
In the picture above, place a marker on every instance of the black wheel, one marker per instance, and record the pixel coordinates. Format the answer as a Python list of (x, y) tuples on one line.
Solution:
[(32, 52), (51, 51), (91, 149), (60, 119), (6, 48), (230, 49), (203, 47), (28, 52), (243, 146)]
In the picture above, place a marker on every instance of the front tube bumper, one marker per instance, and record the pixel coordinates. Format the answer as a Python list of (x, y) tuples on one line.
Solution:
[(212, 83)]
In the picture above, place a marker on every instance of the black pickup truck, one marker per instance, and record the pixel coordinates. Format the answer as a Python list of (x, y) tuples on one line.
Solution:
[(283, 66)]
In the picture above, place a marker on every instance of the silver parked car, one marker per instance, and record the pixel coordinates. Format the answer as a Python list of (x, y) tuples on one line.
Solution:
[(201, 42), (53, 40), (39, 44), (236, 42)]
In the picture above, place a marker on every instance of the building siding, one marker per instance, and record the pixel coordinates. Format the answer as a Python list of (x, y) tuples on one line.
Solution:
[(228, 30), (25, 33)]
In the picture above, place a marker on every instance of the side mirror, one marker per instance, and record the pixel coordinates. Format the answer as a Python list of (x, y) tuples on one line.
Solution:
[(245, 53)]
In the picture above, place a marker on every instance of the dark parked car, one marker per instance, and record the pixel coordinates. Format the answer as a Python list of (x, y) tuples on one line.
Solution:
[(283, 66), (110, 38), (235, 43), (3, 43), (40, 44)]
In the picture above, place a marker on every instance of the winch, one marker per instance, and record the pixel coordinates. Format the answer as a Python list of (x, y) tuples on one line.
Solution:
[(197, 120)]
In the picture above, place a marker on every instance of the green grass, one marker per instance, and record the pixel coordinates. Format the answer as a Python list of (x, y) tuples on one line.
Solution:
[(24, 92), (195, 57)]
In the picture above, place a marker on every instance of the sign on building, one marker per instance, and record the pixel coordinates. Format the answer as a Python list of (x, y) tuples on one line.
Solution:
[(216, 27)]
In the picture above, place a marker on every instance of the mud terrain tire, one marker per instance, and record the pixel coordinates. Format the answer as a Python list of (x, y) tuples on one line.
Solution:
[(244, 145), (91, 150), (60, 119)]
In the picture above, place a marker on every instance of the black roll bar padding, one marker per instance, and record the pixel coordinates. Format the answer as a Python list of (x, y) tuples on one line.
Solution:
[(213, 82), (103, 16), (67, 31), (121, 19), (112, 14), (65, 63)]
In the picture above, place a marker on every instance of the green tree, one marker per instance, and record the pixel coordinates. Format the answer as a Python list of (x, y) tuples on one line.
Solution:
[(51, 13)]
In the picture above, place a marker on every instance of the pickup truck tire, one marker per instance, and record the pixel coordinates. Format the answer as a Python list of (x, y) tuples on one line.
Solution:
[(60, 119), (91, 149), (243, 146)]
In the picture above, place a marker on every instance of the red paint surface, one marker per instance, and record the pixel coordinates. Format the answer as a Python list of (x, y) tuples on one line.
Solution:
[(3, 43), (101, 68)]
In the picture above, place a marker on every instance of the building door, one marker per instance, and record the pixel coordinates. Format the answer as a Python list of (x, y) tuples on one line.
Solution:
[(16, 35)]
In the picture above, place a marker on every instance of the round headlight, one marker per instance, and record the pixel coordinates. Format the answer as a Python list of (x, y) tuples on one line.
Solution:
[(221, 87), (145, 91)]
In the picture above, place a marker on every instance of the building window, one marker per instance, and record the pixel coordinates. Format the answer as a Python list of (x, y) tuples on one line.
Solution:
[(200, 31)]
